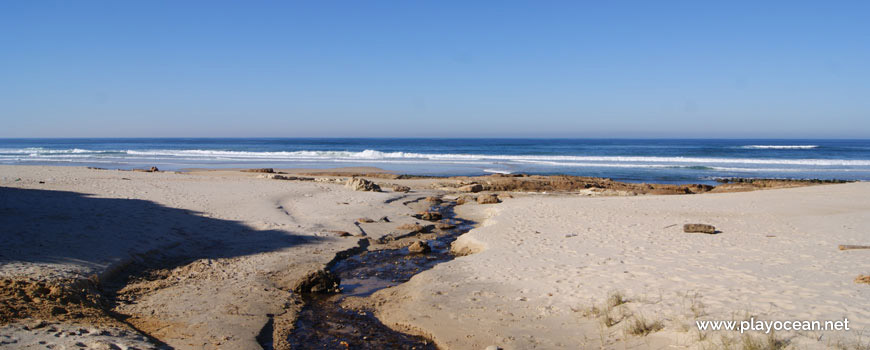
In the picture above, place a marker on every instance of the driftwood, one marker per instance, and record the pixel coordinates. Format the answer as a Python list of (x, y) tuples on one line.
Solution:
[(850, 247)]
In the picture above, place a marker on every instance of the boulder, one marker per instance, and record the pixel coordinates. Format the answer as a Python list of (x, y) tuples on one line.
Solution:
[(360, 184), (401, 188), (488, 199), (474, 188), (699, 228), (419, 247)]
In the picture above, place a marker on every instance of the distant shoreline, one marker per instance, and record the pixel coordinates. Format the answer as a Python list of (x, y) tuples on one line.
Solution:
[(675, 161)]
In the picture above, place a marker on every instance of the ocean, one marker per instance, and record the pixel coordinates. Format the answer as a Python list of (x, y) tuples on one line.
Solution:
[(633, 160)]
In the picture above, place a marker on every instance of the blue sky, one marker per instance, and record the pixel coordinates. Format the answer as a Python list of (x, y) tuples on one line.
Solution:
[(435, 69)]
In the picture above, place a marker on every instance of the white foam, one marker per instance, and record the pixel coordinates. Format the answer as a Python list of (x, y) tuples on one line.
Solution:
[(497, 171), (780, 146), (375, 156)]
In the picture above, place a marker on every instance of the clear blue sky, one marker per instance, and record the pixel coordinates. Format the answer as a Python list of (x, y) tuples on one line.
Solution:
[(435, 69)]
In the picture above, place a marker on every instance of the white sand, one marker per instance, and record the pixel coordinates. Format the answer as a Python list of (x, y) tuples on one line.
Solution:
[(541, 262), (546, 260), (249, 239)]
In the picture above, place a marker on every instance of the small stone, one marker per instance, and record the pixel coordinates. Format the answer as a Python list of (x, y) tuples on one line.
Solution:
[(419, 247), (364, 220), (699, 228), (492, 347), (153, 169), (384, 219), (865, 279)]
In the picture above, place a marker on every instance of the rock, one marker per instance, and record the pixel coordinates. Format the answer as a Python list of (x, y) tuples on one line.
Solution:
[(384, 219), (57, 310), (284, 177), (341, 233), (699, 228), (410, 228), (103, 345), (433, 199), (492, 347), (419, 247), (465, 199), (474, 188), (37, 324), (444, 225), (360, 184), (364, 220), (865, 279), (429, 215), (400, 188), (320, 281), (149, 170), (260, 170), (488, 199)]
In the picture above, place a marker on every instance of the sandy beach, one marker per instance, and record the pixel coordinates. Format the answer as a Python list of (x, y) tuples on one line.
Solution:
[(221, 259)]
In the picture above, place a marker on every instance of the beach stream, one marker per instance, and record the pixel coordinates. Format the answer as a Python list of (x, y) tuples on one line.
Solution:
[(325, 324)]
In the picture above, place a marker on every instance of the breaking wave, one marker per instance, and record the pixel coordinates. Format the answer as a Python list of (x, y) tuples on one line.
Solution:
[(399, 157), (780, 146)]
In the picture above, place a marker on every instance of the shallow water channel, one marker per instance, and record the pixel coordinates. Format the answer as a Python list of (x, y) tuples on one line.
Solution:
[(324, 324)]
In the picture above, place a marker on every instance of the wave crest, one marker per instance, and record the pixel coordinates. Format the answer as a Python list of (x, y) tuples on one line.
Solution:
[(780, 146)]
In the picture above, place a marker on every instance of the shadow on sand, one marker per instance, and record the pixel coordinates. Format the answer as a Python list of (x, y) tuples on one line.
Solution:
[(94, 234)]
